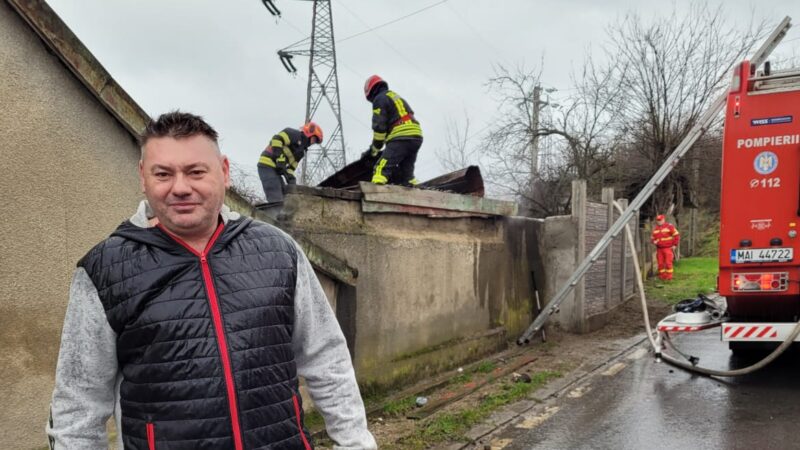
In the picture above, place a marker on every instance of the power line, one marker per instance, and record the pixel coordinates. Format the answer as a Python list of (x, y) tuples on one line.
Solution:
[(387, 43), (476, 133), (389, 22), (295, 27), (475, 31)]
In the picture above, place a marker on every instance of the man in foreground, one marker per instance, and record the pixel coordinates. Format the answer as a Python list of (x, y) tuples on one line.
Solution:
[(192, 323)]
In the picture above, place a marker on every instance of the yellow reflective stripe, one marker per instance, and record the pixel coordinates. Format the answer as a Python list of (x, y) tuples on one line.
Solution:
[(378, 136), (378, 177), (290, 171), (405, 129), (266, 160), (376, 111), (414, 181), (276, 143), (676, 233), (666, 239), (284, 136), (290, 156), (398, 103)]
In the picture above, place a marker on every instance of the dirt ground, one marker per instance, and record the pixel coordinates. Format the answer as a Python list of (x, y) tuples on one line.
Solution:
[(561, 354)]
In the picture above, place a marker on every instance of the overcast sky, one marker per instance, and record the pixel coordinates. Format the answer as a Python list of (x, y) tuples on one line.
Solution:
[(218, 59)]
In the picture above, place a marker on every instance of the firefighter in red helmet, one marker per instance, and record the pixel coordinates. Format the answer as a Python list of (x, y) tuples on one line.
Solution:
[(281, 157), (396, 137), (666, 238)]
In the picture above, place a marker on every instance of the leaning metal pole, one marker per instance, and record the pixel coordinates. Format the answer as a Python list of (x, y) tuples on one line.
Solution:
[(705, 121)]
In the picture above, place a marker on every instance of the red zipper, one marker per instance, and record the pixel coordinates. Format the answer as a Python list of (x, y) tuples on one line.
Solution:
[(151, 436), (219, 329), (299, 424)]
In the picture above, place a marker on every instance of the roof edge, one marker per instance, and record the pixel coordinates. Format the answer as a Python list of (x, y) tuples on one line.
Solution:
[(58, 37)]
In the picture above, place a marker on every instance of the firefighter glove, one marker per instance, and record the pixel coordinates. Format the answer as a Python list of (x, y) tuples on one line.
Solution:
[(371, 153)]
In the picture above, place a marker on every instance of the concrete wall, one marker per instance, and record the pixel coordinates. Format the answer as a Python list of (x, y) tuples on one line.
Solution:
[(431, 293), (566, 240), (68, 180)]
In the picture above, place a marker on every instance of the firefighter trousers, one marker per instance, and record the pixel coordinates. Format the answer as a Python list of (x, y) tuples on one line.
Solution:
[(272, 183), (665, 257), (396, 164)]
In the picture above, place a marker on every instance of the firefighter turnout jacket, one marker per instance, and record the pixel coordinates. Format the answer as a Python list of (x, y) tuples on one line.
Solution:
[(665, 236), (392, 119), (285, 151)]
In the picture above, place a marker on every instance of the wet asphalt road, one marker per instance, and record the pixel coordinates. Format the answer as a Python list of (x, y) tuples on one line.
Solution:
[(648, 405)]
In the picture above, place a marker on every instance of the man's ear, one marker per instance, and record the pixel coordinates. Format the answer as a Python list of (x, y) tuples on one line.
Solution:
[(226, 171), (141, 175)]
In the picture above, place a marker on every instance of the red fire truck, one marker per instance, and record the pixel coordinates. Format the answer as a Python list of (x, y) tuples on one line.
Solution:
[(759, 248)]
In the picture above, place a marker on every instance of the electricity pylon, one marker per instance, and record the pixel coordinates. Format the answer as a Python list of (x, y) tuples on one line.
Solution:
[(323, 91)]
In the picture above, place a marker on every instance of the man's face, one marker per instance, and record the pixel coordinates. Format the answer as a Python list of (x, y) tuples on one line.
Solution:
[(184, 181), (660, 222)]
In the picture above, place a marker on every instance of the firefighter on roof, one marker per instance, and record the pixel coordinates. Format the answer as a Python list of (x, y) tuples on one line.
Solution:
[(281, 157), (393, 124), (666, 238)]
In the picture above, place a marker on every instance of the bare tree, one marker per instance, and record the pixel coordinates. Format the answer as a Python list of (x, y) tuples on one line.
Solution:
[(457, 153), (585, 124), (624, 116), (507, 160), (246, 183), (669, 70), (577, 134)]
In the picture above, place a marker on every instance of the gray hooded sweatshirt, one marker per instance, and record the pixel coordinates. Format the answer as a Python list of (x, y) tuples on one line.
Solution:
[(88, 378)]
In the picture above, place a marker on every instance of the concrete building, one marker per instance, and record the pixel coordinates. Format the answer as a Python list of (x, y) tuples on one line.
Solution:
[(68, 180), (442, 279)]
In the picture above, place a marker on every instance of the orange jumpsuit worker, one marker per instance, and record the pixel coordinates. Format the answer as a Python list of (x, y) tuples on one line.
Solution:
[(666, 238)]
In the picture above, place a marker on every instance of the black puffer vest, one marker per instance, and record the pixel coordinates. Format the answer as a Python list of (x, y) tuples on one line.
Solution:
[(204, 340)]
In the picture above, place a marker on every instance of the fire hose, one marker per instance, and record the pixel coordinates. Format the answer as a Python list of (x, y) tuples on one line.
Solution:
[(691, 362)]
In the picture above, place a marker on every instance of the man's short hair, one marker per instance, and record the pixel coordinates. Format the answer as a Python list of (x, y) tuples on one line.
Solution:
[(177, 125)]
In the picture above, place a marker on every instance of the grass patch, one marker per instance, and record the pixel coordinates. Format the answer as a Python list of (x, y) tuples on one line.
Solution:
[(462, 378), (485, 367), (452, 426), (399, 407), (692, 276)]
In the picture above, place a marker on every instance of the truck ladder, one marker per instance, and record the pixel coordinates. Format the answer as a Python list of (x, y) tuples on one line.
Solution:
[(777, 80), (705, 121)]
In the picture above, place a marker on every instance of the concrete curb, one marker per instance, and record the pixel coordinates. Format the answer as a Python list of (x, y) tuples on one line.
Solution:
[(506, 415)]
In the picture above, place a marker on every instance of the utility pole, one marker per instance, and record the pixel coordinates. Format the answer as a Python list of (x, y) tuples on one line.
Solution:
[(323, 90), (537, 104)]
